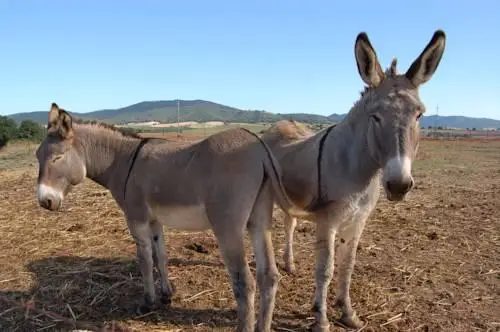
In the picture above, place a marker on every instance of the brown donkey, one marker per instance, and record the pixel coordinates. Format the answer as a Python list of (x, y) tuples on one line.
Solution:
[(225, 182), (335, 174)]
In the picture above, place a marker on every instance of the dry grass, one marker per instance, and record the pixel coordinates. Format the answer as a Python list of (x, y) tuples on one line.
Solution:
[(428, 264)]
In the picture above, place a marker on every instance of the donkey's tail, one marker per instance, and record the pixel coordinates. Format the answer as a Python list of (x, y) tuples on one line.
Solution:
[(273, 171)]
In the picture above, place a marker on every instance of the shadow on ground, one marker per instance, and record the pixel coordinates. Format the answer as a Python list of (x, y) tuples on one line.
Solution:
[(97, 292)]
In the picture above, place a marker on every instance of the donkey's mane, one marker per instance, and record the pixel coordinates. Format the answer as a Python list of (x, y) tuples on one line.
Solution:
[(389, 72), (366, 93), (106, 126)]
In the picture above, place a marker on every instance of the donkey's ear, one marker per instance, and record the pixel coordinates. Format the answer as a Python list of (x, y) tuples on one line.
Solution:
[(366, 59), (422, 69), (60, 122), (53, 114), (66, 128)]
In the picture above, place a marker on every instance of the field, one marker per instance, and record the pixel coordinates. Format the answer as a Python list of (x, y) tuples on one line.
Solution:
[(431, 263), (197, 133)]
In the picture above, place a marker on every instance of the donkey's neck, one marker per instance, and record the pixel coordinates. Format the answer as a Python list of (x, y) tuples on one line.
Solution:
[(105, 153), (347, 150)]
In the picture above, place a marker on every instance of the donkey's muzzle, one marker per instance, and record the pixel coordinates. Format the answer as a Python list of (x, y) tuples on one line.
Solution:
[(49, 198), (51, 204), (396, 190)]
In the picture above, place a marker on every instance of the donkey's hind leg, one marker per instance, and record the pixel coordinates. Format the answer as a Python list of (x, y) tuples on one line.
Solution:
[(229, 223), (160, 260), (260, 225), (233, 252), (290, 223)]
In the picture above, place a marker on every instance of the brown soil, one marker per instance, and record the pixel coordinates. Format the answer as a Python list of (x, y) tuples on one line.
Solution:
[(431, 263)]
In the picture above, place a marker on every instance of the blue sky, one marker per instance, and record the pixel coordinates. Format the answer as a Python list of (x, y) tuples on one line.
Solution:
[(280, 56)]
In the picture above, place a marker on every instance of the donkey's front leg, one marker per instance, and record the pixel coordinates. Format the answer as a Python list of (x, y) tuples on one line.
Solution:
[(141, 232), (160, 261), (290, 223), (346, 257), (325, 250)]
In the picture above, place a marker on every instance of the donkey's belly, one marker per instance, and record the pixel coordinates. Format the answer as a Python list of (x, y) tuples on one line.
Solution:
[(189, 218)]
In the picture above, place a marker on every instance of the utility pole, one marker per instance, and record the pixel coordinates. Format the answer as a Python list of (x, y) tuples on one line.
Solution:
[(165, 125), (178, 117), (436, 121)]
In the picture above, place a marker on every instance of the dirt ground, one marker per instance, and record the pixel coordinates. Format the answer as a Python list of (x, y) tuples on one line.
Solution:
[(431, 263)]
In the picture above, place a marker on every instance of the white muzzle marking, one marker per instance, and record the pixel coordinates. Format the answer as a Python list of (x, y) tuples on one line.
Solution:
[(397, 169), (45, 191)]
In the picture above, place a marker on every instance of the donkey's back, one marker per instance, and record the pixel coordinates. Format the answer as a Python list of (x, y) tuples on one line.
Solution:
[(181, 185)]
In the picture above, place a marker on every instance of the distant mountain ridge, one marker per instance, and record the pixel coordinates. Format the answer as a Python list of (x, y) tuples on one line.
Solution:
[(202, 111)]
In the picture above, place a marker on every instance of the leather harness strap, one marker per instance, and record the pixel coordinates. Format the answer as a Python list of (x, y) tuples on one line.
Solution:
[(136, 153), (319, 201)]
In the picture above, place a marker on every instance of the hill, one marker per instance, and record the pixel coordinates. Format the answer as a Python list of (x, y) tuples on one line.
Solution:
[(454, 121), (451, 121), (202, 111), (166, 111)]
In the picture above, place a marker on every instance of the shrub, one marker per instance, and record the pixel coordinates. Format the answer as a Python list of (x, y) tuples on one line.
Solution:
[(30, 130), (8, 130)]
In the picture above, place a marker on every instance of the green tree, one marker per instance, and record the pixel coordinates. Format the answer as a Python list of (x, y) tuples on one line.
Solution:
[(8, 130), (30, 130)]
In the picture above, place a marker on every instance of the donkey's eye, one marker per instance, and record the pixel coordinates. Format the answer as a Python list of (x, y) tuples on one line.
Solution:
[(420, 111), (56, 158), (376, 118)]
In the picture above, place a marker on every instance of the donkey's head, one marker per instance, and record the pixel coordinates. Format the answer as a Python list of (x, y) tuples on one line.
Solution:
[(61, 166), (393, 109)]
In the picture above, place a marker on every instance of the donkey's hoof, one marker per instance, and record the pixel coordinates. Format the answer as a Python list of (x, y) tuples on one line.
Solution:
[(168, 293), (166, 299), (144, 307), (288, 268), (291, 270), (320, 327), (350, 322)]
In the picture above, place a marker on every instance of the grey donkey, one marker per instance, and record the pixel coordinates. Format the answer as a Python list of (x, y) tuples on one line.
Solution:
[(334, 175), (225, 182)]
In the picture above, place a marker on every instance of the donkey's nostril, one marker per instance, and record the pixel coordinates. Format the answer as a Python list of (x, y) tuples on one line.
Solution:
[(398, 187), (49, 203), (406, 186)]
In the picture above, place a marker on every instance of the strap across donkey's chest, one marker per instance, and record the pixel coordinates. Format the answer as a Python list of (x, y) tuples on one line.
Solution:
[(320, 199), (134, 157)]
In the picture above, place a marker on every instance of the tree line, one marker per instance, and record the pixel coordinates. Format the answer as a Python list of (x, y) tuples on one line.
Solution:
[(26, 130)]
